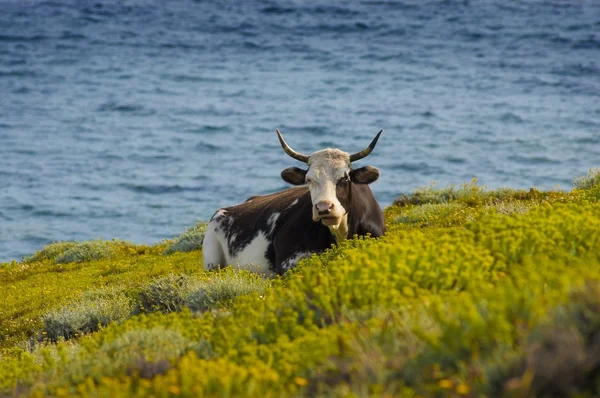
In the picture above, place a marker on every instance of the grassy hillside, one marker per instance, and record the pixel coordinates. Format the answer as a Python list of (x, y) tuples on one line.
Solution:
[(471, 293)]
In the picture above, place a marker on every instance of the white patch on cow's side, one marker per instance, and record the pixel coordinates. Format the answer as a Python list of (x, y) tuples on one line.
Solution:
[(216, 247), (272, 221), (291, 261), (253, 256), (340, 231), (232, 239)]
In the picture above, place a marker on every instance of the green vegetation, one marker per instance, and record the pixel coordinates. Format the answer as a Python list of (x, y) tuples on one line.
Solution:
[(472, 292), (589, 181), (88, 314), (188, 241)]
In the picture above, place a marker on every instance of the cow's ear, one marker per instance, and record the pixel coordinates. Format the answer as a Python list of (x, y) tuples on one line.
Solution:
[(365, 175), (294, 175)]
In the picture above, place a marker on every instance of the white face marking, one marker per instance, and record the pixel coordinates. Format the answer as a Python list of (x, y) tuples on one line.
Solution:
[(326, 168)]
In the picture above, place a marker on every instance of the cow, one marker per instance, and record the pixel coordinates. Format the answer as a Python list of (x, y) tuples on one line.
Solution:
[(269, 234)]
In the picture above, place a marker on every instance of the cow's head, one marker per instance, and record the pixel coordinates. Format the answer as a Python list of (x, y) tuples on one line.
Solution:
[(329, 178)]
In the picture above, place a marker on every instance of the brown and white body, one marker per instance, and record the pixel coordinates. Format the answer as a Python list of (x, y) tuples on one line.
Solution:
[(269, 234)]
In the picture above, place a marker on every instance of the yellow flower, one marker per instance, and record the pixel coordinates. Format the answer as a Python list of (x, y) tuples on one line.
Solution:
[(462, 389), (301, 381), (175, 390), (446, 383)]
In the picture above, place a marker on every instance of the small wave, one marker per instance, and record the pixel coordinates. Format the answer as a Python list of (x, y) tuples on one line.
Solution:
[(454, 159), (21, 90), (190, 78), (183, 46), (393, 4), (550, 37), (509, 117), (18, 38), (37, 240), (590, 43), (342, 28), (427, 114), (125, 108), (18, 73), (327, 144), (50, 213), (472, 35), (576, 70), (313, 130), (159, 189), (588, 140), (67, 35), (535, 160), (207, 147), (333, 10), (28, 152), (5, 217), (251, 45), (209, 129), (396, 32), (423, 126), (419, 167), (26, 207), (277, 10)]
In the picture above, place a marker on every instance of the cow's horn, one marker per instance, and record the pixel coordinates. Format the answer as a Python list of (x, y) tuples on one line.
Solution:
[(365, 152), (296, 155)]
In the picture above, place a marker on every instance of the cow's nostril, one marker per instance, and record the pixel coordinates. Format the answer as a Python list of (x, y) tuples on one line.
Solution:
[(324, 207)]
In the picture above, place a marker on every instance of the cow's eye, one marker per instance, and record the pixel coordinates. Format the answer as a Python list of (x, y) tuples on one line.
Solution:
[(345, 179)]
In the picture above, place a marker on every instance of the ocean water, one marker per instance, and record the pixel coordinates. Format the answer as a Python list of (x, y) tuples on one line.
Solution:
[(134, 119)]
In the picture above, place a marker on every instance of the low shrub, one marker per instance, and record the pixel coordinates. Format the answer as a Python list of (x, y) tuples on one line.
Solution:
[(87, 251), (510, 207), (95, 309), (165, 294), (189, 240), (446, 214), (51, 251), (224, 287), (589, 181)]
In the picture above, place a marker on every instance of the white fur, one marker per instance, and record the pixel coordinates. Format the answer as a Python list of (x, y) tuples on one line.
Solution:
[(252, 257), (272, 221), (291, 262), (294, 203)]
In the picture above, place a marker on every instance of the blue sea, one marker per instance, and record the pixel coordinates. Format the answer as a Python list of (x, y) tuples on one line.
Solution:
[(135, 119)]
